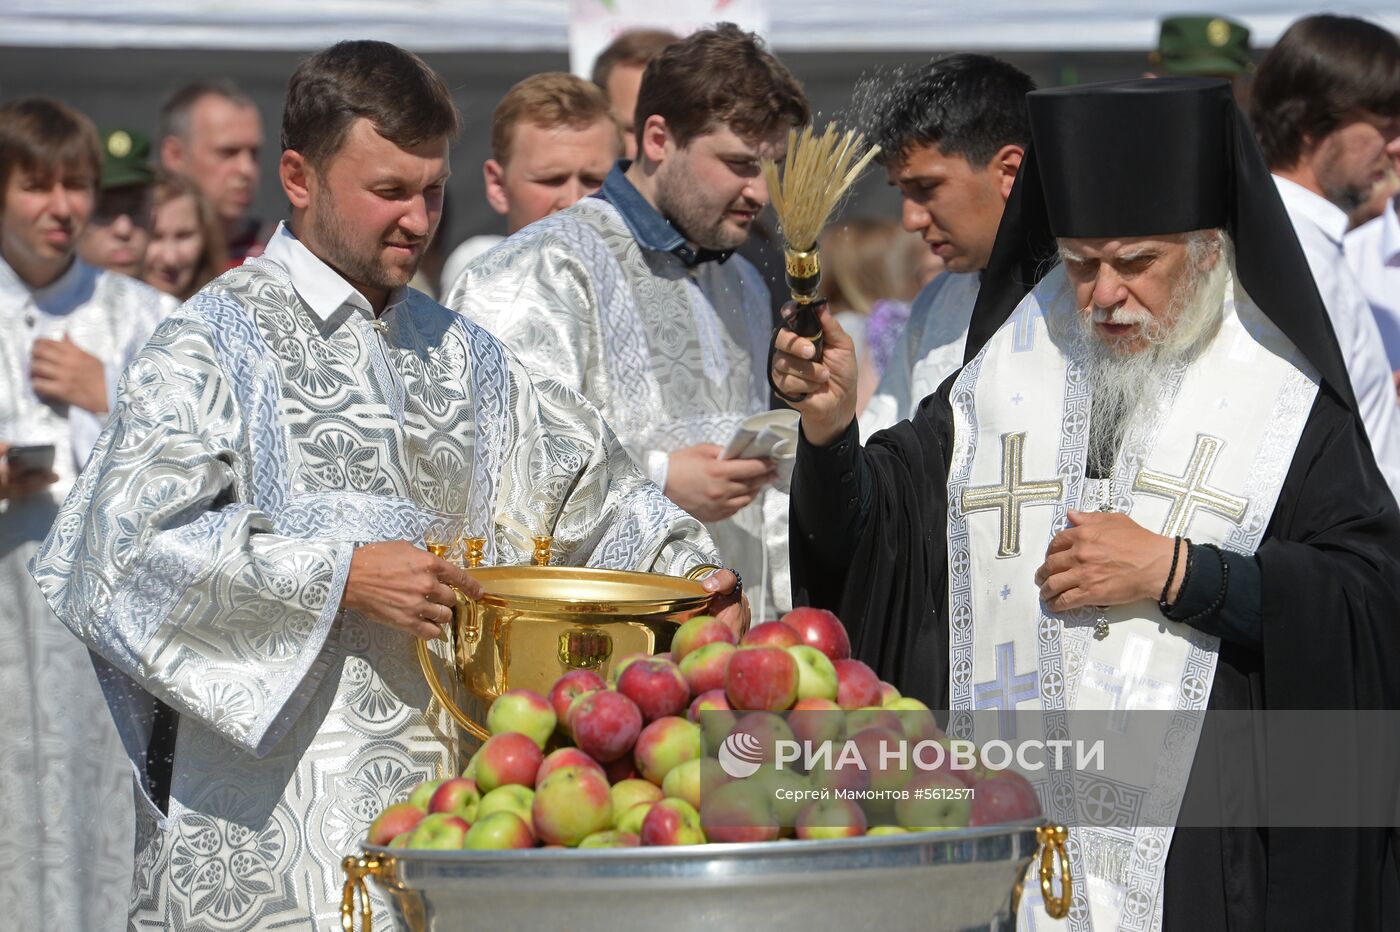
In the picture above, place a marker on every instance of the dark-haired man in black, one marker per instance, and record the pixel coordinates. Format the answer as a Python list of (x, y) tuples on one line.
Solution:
[(951, 136), (1147, 489)]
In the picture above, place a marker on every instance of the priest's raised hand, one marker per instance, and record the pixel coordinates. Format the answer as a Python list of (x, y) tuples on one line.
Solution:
[(1107, 559), (403, 586), (826, 389)]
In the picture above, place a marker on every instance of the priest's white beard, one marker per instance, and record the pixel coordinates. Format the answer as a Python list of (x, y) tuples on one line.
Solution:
[(1129, 387)]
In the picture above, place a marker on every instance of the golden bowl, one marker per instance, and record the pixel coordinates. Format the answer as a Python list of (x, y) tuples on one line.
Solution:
[(535, 623)]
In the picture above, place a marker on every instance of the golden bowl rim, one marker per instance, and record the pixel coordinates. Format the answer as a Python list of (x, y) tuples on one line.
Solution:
[(689, 593)]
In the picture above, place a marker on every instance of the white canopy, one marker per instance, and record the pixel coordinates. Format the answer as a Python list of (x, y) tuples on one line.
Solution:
[(464, 25)]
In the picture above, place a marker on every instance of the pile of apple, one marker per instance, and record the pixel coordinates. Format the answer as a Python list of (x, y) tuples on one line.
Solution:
[(632, 758)]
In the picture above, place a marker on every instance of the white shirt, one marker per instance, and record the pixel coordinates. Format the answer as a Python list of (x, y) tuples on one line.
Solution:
[(1373, 251), (1321, 227), (319, 285)]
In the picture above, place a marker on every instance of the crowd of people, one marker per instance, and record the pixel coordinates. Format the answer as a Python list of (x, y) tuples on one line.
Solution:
[(223, 441)]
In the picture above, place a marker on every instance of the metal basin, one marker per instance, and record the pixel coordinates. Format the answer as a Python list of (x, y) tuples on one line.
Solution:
[(946, 880)]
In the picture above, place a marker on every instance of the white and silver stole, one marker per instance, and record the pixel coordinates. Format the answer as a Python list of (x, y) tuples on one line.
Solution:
[(1208, 466)]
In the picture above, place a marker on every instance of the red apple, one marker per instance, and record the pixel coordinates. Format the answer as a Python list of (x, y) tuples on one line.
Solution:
[(696, 633), (1003, 796), (672, 822), (831, 818), (771, 634), (568, 688), (621, 770), (458, 796), (509, 758), (395, 820), (499, 831), (656, 686), (704, 667), (881, 749), (858, 686), (439, 830), (768, 729), (572, 804), (816, 721), (888, 693), (857, 720), (621, 664), (665, 743), (712, 713), (605, 725), (738, 812), (711, 700), (523, 711), (761, 678), (565, 757), (820, 629)]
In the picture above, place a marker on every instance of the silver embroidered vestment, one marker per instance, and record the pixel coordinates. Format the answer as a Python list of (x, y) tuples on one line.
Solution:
[(672, 356), (67, 789), (204, 552)]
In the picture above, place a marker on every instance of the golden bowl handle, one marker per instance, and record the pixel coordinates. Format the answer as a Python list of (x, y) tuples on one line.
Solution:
[(357, 868), (425, 660), (1052, 840)]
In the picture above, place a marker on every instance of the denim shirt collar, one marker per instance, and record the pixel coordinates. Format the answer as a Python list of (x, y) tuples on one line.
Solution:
[(651, 230)]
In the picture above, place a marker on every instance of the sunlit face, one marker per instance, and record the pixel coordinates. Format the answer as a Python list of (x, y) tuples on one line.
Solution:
[(954, 205), (624, 83), (120, 230), (221, 154), (41, 219), (1126, 284), (177, 242), (1353, 158), (550, 168), (372, 209), (712, 189)]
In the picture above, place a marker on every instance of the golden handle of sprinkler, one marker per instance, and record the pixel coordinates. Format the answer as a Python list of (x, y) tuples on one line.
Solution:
[(1052, 840)]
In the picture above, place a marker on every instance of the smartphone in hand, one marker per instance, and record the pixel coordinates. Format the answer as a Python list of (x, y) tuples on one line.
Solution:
[(37, 457)]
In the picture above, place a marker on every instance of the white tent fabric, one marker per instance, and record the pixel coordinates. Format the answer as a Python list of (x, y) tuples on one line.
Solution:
[(503, 25)]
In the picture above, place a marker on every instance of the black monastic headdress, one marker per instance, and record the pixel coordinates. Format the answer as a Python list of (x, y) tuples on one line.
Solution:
[(1151, 157)]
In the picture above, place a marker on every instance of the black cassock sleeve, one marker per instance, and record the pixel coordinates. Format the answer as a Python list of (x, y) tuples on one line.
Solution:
[(868, 542)]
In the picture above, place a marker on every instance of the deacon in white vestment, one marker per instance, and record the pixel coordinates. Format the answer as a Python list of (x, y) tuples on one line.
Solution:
[(67, 796), (634, 297), (233, 550)]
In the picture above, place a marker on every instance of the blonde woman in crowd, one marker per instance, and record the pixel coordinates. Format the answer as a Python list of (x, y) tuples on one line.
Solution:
[(187, 244)]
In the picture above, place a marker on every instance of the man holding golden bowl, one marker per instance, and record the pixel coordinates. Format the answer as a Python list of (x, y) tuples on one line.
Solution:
[(242, 554)]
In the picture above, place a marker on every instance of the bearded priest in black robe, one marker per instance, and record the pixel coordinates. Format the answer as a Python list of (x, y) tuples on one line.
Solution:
[(1147, 488)]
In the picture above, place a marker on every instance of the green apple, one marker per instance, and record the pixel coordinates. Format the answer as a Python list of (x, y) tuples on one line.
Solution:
[(628, 793), (422, 795), (512, 798), (816, 677), (523, 711), (499, 831), (571, 804), (631, 820), (610, 839)]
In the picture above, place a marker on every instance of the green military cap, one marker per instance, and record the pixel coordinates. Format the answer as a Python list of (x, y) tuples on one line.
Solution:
[(126, 159), (1203, 45)]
